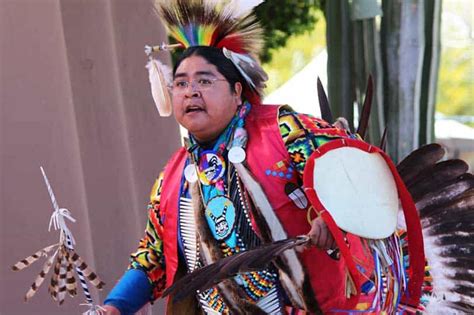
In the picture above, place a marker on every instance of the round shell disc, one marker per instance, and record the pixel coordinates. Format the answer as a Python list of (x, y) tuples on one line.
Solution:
[(236, 155), (190, 173)]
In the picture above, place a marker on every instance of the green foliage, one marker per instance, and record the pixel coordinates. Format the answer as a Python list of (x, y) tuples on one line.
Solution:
[(456, 82), (282, 18), (298, 52)]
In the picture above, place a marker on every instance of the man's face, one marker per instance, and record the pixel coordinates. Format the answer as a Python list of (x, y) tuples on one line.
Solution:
[(204, 112)]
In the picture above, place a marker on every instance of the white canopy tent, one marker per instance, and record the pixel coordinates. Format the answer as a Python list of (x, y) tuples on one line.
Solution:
[(300, 92)]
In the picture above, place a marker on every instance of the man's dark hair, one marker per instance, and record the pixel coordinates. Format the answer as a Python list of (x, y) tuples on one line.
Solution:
[(216, 57)]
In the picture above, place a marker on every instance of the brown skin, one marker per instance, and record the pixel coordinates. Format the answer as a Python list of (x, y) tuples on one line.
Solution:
[(110, 310), (214, 109), (205, 114), (320, 235)]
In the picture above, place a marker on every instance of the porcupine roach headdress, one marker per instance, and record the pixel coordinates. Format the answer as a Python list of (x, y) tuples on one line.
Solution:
[(204, 23)]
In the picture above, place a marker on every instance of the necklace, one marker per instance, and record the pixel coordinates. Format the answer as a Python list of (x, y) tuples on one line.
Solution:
[(227, 207), (210, 169)]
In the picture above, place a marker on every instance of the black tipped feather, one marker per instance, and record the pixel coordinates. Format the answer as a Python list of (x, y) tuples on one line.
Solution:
[(456, 208), (465, 290), (463, 239), (366, 109), (464, 276), (419, 160), (465, 307), (461, 263), (461, 251), (256, 259), (444, 195), (383, 141), (454, 225), (433, 177), (326, 113)]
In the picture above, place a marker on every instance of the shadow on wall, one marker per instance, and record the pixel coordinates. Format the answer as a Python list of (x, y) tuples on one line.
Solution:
[(75, 99)]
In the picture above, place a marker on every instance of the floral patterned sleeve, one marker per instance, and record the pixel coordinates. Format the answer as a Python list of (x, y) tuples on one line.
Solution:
[(303, 134), (149, 255)]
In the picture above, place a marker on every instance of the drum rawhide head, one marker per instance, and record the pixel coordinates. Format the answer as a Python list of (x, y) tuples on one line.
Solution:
[(357, 189)]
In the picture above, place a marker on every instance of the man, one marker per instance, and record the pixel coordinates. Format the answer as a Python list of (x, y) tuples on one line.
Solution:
[(238, 184)]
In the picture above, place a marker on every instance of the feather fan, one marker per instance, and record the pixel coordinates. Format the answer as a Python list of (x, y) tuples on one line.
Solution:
[(63, 257), (224, 268), (444, 196), (62, 279), (445, 199)]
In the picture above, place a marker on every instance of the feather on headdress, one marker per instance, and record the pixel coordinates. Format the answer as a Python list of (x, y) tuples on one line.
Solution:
[(207, 23), (204, 23)]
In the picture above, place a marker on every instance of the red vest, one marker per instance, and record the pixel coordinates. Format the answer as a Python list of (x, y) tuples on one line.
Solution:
[(265, 149)]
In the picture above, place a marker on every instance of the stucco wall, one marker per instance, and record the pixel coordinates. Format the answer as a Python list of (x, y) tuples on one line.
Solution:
[(74, 98)]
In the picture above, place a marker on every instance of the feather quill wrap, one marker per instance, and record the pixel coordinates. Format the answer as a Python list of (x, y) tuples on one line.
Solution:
[(86, 270)]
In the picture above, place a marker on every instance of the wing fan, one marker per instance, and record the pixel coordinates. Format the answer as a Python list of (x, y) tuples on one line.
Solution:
[(247, 261)]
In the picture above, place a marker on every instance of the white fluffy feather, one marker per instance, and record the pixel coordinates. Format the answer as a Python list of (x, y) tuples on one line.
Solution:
[(160, 77)]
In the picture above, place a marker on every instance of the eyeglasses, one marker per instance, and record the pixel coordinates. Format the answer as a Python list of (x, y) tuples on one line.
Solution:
[(200, 84)]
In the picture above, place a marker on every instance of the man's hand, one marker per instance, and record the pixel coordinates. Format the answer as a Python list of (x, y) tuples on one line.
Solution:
[(110, 310), (320, 235)]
